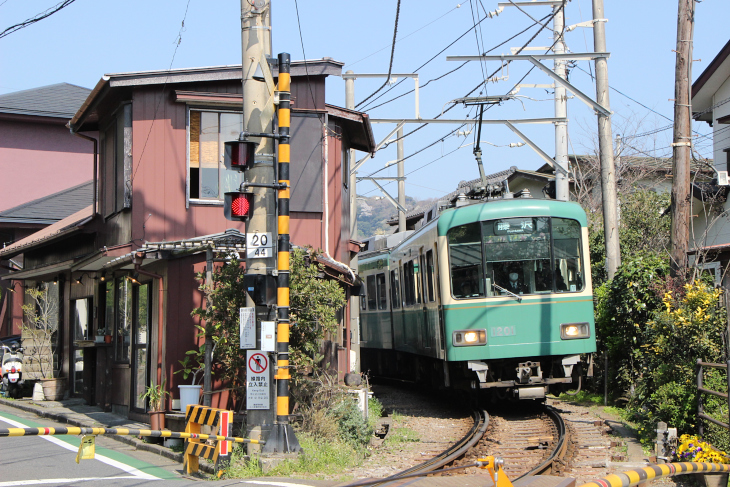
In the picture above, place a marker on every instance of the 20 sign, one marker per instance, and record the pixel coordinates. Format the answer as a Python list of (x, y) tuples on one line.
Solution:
[(259, 245)]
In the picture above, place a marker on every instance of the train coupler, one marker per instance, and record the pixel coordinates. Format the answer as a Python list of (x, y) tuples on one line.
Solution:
[(494, 467), (528, 372)]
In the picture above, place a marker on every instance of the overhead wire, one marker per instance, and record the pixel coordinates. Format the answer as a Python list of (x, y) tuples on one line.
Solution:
[(178, 41), (392, 53), (469, 93), (402, 38), (37, 18)]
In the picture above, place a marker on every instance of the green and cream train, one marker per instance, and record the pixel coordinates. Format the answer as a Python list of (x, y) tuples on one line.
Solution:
[(492, 295)]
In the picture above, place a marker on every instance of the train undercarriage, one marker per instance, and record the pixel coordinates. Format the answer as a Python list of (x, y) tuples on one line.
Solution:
[(513, 378)]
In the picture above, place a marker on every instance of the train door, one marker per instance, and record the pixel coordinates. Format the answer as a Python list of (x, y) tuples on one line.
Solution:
[(430, 295), (423, 339), (395, 302)]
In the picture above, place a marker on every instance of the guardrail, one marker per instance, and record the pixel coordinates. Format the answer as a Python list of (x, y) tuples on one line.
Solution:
[(700, 389)]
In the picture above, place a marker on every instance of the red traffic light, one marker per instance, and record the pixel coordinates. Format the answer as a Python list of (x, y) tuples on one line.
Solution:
[(239, 155), (238, 206)]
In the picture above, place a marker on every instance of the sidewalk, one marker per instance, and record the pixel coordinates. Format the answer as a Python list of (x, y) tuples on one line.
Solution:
[(75, 412)]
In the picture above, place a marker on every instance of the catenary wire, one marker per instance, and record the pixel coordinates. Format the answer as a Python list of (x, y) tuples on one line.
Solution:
[(392, 53), (402, 38)]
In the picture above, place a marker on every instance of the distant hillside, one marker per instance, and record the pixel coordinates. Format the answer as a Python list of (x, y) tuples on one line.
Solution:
[(373, 212)]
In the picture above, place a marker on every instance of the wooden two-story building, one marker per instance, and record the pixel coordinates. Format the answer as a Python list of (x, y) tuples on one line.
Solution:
[(124, 267)]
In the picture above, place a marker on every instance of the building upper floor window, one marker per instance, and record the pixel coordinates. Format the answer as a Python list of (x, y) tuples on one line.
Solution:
[(208, 131), (116, 161)]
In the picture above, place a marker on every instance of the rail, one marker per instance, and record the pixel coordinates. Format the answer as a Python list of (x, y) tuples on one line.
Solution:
[(559, 451), (700, 390), (481, 423)]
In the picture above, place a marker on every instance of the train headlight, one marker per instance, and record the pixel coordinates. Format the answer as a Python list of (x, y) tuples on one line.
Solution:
[(468, 338), (570, 331)]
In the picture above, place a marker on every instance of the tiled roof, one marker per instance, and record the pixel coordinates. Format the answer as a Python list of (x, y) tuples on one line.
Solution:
[(69, 224), (61, 100), (52, 208)]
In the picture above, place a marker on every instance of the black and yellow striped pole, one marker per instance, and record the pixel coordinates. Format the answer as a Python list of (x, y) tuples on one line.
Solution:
[(282, 438)]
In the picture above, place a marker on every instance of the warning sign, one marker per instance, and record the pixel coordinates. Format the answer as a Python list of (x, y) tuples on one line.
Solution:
[(257, 380)]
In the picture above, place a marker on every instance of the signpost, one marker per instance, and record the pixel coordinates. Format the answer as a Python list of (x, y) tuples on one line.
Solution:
[(247, 327), (257, 380)]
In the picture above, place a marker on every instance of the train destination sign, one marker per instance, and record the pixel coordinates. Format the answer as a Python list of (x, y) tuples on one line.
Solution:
[(257, 380), (514, 226)]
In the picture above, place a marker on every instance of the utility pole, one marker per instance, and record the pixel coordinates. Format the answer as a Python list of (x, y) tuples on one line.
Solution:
[(605, 146), (562, 183), (401, 181), (354, 300), (255, 47), (682, 138)]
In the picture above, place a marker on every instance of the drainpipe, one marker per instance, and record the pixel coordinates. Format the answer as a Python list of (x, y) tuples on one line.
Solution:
[(137, 267), (96, 159)]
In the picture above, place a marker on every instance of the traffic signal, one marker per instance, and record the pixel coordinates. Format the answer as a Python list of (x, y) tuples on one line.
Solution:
[(239, 154), (237, 205)]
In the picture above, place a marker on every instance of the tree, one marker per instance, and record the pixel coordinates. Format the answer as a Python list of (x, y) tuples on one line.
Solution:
[(39, 331)]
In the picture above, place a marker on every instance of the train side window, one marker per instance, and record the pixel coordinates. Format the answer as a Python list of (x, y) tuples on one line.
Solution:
[(418, 271), (394, 289), (371, 292), (429, 274), (466, 261), (567, 249), (382, 292), (409, 293)]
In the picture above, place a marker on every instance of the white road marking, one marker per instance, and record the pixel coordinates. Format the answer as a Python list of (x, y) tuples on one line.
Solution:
[(104, 459), (60, 481), (277, 484)]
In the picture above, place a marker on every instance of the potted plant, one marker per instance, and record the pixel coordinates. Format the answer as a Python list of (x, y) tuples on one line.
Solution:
[(192, 365), (40, 340), (155, 397)]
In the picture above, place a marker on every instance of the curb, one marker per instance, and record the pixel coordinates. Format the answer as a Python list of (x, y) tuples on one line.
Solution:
[(129, 440)]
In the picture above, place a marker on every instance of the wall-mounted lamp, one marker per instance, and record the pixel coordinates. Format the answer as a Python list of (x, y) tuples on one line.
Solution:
[(135, 279), (78, 279), (55, 281), (103, 277)]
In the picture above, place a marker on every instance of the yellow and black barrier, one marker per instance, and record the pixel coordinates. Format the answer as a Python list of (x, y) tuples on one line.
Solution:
[(220, 420), (653, 472), (76, 431)]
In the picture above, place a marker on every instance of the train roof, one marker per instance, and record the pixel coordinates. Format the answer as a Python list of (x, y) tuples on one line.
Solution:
[(509, 208)]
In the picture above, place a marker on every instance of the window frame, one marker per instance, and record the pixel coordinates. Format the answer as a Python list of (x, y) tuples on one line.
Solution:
[(221, 166)]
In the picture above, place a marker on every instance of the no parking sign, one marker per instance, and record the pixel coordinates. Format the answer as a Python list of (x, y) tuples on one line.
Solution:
[(257, 380)]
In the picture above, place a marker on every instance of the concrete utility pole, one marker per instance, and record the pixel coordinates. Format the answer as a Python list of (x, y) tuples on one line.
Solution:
[(562, 183), (255, 46), (354, 300), (682, 138), (401, 182), (605, 146)]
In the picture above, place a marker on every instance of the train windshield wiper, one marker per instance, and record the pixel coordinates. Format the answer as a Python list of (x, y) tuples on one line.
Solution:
[(516, 296)]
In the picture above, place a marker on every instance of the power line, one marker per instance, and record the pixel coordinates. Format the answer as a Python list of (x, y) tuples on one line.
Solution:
[(43, 15), (178, 41), (301, 40), (392, 53), (402, 38)]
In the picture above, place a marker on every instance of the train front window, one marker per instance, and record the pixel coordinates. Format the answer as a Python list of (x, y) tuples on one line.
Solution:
[(532, 255), (466, 261), (568, 262)]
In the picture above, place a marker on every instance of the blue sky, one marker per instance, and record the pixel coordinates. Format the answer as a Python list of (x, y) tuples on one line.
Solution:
[(92, 37)]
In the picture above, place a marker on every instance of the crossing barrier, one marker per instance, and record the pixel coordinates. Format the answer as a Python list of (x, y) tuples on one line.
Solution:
[(76, 431), (653, 472), (220, 420)]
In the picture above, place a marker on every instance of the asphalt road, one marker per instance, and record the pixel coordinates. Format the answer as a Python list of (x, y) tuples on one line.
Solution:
[(51, 460)]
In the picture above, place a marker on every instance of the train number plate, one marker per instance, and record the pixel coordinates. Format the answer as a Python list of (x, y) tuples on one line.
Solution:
[(503, 331)]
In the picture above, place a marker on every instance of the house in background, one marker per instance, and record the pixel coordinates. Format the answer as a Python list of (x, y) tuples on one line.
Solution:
[(711, 221), (125, 265), (45, 169)]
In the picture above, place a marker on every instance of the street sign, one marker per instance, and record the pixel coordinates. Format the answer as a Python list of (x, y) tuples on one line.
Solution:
[(257, 380), (259, 245), (247, 327)]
